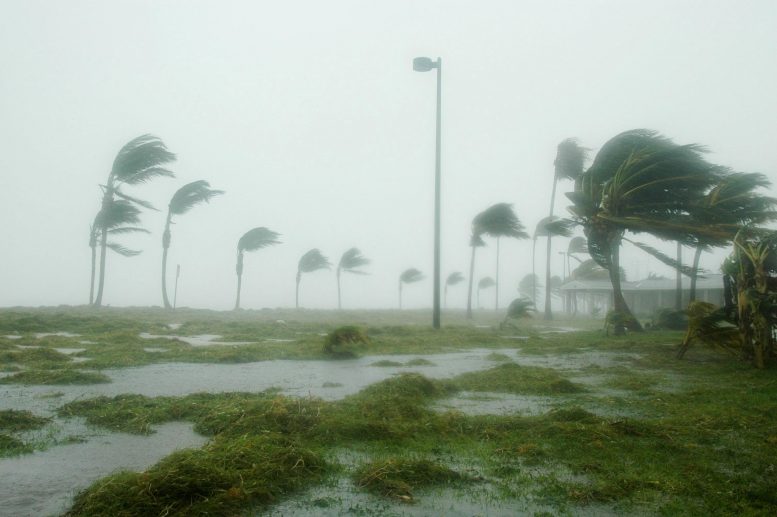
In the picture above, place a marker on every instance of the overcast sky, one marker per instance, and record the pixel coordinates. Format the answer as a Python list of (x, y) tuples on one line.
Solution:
[(309, 116)]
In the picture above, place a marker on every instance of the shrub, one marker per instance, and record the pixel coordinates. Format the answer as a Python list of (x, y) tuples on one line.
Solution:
[(345, 341)]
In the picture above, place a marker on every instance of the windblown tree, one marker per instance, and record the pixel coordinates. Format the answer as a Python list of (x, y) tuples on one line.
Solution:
[(139, 161), (454, 278), (312, 260), (117, 220), (529, 286), (408, 276), (641, 182), (550, 226), (485, 283), (733, 200), (568, 165), (184, 199), (350, 262), (497, 221), (252, 240)]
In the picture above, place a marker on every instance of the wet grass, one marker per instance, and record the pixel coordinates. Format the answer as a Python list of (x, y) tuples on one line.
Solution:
[(14, 421), (55, 377), (706, 446)]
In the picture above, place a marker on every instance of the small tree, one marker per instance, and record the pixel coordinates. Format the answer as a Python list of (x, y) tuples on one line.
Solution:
[(350, 262), (311, 261), (408, 276)]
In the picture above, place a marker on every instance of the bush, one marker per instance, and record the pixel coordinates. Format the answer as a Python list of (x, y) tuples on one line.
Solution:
[(345, 341), (670, 319)]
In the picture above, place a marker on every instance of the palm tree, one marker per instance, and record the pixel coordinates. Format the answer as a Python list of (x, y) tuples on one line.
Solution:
[(498, 220), (312, 260), (528, 286), (453, 279), (568, 165), (252, 240), (641, 181), (733, 200), (484, 283), (184, 199), (520, 308), (139, 161), (408, 276), (550, 226), (349, 263)]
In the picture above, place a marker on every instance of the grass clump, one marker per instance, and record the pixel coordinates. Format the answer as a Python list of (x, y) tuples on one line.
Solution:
[(225, 477), (10, 446), (514, 378), (396, 478), (345, 342), (497, 357), (386, 363), (46, 377), (419, 361), (13, 420)]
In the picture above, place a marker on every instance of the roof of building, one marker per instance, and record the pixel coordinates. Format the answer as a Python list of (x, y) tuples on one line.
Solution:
[(708, 281)]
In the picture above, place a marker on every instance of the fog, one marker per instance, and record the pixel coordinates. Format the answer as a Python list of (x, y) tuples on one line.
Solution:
[(309, 115)]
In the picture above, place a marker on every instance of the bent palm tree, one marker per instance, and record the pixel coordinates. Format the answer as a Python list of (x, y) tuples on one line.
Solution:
[(184, 199), (312, 260), (550, 226), (641, 181), (453, 279), (139, 161), (484, 283), (252, 240), (528, 286), (408, 276), (349, 263), (498, 220)]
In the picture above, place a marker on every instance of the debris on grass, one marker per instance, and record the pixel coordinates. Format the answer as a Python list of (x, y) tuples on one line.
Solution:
[(10, 446), (14, 421), (515, 378), (344, 342), (397, 478)]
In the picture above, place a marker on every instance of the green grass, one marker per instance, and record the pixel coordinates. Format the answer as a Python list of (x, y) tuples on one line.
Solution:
[(397, 478), (514, 378), (14, 421), (10, 446), (51, 377)]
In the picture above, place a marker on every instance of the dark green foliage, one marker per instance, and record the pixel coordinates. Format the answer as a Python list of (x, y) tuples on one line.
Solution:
[(344, 342), (313, 260), (397, 477), (257, 238), (10, 446), (351, 260), (46, 377), (14, 421), (410, 276), (498, 220), (190, 195), (514, 378), (670, 319)]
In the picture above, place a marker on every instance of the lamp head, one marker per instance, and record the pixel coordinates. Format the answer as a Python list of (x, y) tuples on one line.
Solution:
[(423, 64)]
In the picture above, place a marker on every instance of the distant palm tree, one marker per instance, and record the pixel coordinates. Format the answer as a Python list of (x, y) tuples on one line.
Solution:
[(528, 286), (408, 276), (550, 226), (182, 201), (453, 279), (139, 161), (568, 165), (520, 308), (498, 220), (349, 263), (252, 240), (312, 260), (484, 283)]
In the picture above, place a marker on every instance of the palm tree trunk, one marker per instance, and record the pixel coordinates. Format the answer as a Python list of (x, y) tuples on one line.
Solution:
[(107, 200), (469, 291), (445, 296), (694, 274), (239, 271), (678, 295), (618, 301), (533, 273), (496, 284), (548, 312), (296, 298), (339, 303), (94, 266), (478, 299), (165, 247), (400, 295)]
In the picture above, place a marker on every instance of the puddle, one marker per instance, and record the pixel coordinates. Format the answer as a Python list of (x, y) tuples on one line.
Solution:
[(43, 483), (174, 326), (515, 337), (154, 350), (199, 340), (486, 403), (60, 334), (12, 336), (70, 351)]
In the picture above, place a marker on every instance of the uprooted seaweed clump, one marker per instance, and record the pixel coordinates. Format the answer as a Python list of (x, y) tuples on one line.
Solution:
[(398, 477), (223, 478), (345, 342)]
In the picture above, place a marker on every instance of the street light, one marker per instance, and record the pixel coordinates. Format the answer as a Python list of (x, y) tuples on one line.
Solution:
[(425, 64)]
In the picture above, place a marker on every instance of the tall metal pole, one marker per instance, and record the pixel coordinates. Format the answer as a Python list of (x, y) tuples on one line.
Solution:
[(436, 296)]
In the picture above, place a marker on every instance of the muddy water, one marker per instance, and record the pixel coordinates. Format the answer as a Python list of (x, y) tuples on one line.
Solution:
[(43, 483)]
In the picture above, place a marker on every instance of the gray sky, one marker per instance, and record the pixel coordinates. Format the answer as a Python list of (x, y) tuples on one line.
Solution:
[(309, 115)]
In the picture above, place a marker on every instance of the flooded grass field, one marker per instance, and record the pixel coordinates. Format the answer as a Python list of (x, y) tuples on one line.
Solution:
[(151, 412)]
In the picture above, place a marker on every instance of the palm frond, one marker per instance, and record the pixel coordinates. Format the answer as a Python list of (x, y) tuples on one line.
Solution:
[(410, 276), (590, 270), (529, 285), (117, 213), (499, 220), (127, 229), (486, 282), (141, 159), (666, 259), (577, 245), (257, 238), (131, 199), (520, 308), (570, 159), (554, 226), (351, 260), (121, 250), (190, 195), (313, 260), (454, 278)]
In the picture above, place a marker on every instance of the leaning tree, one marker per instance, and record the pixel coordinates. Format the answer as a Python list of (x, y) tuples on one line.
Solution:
[(453, 279), (139, 161), (350, 262), (184, 199), (312, 260), (252, 240), (408, 276)]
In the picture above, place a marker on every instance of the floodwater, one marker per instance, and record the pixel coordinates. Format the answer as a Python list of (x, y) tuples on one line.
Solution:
[(44, 482)]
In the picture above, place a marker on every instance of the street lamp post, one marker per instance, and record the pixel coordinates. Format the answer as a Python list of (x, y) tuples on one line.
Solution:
[(425, 64)]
